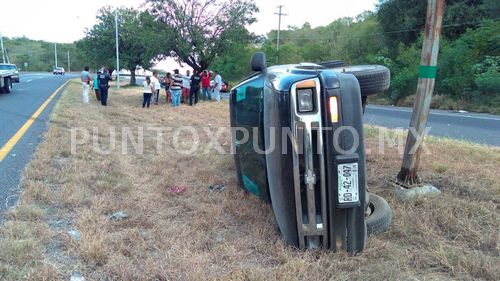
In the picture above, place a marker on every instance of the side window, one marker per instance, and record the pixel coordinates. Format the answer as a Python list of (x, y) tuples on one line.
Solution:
[(248, 102)]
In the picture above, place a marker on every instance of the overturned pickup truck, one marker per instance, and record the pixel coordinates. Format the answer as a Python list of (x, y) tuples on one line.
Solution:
[(297, 136)]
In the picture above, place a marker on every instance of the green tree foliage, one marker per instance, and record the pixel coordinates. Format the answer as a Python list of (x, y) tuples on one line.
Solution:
[(403, 20), (139, 37), (39, 55), (235, 62), (202, 30)]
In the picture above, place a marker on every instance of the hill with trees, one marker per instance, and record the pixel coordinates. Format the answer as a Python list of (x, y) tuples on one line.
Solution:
[(39, 55)]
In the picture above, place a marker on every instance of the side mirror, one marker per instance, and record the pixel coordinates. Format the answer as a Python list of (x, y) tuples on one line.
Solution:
[(258, 62)]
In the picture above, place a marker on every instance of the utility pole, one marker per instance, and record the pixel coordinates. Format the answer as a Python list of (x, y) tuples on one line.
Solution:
[(69, 63), (3, 51), (55, 52), (426, 78), (117, 52), (279, 29)]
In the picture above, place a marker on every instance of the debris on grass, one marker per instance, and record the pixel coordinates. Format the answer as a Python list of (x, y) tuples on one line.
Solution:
[(118, 216), (178, 189), (216, 187), (415, 192), (75, 234), (77, 276)]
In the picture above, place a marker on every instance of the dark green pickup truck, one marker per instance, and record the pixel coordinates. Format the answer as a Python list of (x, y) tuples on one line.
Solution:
[(297, 137)]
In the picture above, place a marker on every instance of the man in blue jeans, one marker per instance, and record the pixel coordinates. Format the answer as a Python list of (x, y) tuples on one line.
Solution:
[(104, 79), (176, 88)]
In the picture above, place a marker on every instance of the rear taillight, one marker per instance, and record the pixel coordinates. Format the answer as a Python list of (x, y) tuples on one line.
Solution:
[(334, 109)]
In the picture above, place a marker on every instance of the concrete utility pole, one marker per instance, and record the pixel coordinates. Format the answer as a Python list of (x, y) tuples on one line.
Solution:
[(279, 29), (3, 50), (55, 52), (117, 52), (426, 78), (69, 63)]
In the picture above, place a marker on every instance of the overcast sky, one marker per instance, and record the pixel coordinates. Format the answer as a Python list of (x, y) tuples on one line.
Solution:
[(63, 21)]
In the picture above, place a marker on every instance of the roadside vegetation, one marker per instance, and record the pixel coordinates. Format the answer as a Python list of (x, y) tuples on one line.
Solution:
[(229, 234)]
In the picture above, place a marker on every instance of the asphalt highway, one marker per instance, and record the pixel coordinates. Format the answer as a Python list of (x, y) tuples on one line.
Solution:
[(15, 109), (473, 127)]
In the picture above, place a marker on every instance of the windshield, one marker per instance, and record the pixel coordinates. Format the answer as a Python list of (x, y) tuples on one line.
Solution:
[(6, 67)]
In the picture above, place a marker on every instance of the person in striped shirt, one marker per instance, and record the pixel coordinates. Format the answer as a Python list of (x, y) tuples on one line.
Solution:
[(176, 88)]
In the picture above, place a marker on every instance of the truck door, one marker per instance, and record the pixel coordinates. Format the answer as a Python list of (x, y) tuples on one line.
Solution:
[(248, 139)]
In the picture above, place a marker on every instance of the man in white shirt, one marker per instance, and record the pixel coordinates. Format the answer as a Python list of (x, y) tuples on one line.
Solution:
[(86, 79), (186, 86), (217, 87), (156, 83)]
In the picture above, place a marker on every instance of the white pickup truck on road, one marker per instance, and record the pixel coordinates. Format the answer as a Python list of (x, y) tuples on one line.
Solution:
[(8, 75)]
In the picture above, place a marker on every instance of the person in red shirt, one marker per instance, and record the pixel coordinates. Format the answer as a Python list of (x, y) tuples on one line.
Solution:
[(205, 85)]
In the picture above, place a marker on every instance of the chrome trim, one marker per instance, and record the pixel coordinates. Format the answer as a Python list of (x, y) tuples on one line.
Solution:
[(316, 226)]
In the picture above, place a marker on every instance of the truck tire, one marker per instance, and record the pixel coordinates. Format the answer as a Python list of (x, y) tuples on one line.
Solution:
[(373, 79), (379, 215), (7, 88)]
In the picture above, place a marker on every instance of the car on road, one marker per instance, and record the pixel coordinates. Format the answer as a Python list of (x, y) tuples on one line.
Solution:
[(297, 141), (8, 74), (58, 71)]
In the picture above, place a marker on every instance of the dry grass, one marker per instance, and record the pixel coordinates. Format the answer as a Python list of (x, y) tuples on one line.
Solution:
[(228, 235)]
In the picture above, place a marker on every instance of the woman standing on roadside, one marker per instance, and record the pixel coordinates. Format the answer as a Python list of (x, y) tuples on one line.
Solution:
[(148, 91), (168, 84)]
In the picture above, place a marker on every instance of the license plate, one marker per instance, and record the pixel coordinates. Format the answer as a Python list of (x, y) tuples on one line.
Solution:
[(348, 183)]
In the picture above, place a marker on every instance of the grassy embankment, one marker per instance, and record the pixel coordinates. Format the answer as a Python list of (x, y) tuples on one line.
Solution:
[(227, 235)]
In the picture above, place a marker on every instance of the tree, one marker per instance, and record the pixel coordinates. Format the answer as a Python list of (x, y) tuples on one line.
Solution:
[(201, 30), (138, 39), (403, 20)]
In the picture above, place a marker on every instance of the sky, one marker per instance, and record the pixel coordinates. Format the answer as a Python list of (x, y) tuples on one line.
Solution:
[(64, 21)]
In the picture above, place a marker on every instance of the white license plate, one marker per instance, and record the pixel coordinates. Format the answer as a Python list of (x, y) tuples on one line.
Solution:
[(348, 183)]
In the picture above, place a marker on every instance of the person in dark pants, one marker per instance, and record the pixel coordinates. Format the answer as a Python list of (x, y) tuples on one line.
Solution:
[(104, 79), (149, 88), (194, 89)]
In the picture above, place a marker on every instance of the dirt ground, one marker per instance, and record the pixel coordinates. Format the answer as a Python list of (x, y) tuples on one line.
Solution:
[(229, 234)]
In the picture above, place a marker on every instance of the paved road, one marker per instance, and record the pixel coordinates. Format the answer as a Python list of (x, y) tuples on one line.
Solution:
[(15, 109), (474, 127)]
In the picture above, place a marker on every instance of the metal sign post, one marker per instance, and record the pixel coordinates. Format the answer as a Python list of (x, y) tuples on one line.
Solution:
[(117, 52)]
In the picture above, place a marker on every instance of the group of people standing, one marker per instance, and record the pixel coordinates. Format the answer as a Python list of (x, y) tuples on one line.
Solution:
[(100, 85), (179, 88)]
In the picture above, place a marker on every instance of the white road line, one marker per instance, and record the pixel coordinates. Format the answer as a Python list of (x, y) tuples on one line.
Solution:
[(437, 113)]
